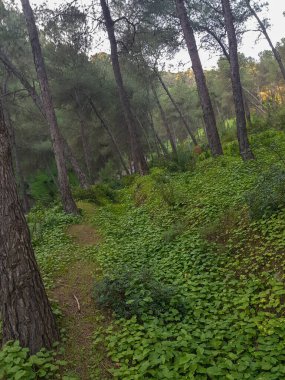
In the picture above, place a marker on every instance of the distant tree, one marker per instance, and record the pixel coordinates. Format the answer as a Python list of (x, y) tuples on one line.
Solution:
[(165, 123), (64, 186), (138, 157), (176, 106), (263, 25), (208, 112), (244, 146), (12, 69)]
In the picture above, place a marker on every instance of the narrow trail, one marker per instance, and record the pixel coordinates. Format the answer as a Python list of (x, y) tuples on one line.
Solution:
[(73, 291)]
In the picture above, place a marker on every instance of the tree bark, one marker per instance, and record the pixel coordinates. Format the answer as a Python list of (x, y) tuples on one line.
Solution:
[(140, 164), (25, 310), (244, 146), (188, 129), (165, 123), (207, 107), (110, 134), (15, 155), (275, 52), (64, 186)]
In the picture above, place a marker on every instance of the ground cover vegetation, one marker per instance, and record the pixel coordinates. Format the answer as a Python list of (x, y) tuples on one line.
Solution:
[(142, 207)]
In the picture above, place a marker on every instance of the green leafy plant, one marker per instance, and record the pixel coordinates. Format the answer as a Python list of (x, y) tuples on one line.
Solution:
[(17, 364), (98, 194), (268, 193), (133, 294)]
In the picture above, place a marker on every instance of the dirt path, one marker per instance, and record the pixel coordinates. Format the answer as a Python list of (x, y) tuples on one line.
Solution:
[(73, 290)]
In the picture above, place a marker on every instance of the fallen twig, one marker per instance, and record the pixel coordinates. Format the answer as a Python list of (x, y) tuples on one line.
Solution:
[(78, 304)]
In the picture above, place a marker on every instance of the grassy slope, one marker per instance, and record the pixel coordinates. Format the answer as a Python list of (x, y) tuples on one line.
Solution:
[(223, 317), (203, 284)]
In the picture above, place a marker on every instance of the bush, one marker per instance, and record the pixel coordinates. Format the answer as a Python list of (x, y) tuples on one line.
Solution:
[(268, 194), (100, 194), (39, 219), (133, 294)]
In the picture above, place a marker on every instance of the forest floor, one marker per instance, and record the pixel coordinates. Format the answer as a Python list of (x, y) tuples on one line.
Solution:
[(73, 292)]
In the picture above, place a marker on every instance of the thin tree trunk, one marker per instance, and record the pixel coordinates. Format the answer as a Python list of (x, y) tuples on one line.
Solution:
[(38, 102), (31, 90), (163, 148), (176, 107), (83, 181), (25, 311), (64, 186), (244, 146), (207, 107), (275, 52), (150, 147), (165, 123), (110, 134), (140, 164), (84, 139)]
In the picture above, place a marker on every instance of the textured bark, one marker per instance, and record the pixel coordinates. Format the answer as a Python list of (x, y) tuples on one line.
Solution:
[(140, 164), (110, 134), (188, 129), (205, 100), (244, 146), (64, 186), (15, 155), (275, 52), (25, 310), (165, 123), (17, 166)]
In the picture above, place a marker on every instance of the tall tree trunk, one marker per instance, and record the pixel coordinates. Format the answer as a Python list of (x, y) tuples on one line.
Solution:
[(25, 311), (275, 52), (165, 123), (64, 186), (110, 134), (187, 127), (140, 164), (244, 146), (207, 107)]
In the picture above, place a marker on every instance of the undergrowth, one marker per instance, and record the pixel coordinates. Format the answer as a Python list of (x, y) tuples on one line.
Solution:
[(225, 315)]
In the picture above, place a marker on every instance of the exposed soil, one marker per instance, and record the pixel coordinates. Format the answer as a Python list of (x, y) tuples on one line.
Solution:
[(83, 234), (73, 291)]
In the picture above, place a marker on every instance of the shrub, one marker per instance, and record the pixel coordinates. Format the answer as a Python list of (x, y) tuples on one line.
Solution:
[(133, 294), (174, 230), (39, 219), (100, 194), (268, 194)]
